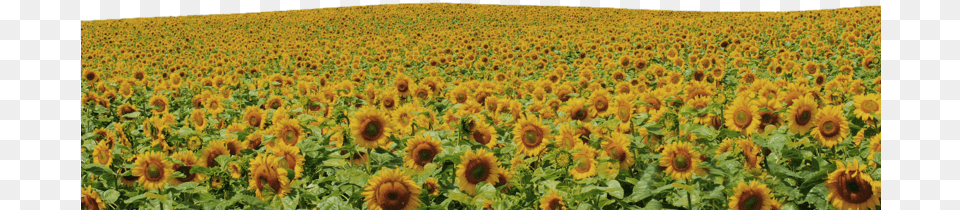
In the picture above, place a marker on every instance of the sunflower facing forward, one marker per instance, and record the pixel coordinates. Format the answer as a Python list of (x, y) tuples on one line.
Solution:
[(531, 135), (153, 170), (587, 166), (850, 188), (391, 190), (420, 151), (266, 176), (680, 160), (370, 127), (832, 126), (743, 115), (617, 147), (752, 196), (801, 114), (476, 167)]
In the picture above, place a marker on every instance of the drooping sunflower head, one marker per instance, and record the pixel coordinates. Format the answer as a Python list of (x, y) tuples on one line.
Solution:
[(531, 135), (420, 151), (680, 159), (153, 170), (267, 179), (850, 188), (126, 108), (831, 126), (476, 167), (617, 147), (370, 127), (390, 189), (751, 196)]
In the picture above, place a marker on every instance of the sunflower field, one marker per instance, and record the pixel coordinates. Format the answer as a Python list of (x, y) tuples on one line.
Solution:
[(464, 106)]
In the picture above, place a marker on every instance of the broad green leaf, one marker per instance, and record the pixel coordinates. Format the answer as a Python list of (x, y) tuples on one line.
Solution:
[(110, 196), (132, 115), (614, 189), (642, 189)]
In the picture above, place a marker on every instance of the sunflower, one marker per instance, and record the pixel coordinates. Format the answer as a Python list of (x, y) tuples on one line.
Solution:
[(389, 99), (160, 102), (727, 145), (288, 130), (390, 189), (476, 167), (577, 109), (102, 154), (233, 145), (275, 102), (234, 170), (292, 159), (265, 172), (126, 90), (850, 188), (213, 150), (404, 118), (370, 127), (432, 187), (874, 147), (402, 83), (253, 140), (126, 108), (459, 94), (801, 114), (751, 153), (420, 151), (587, 166), (832, 126), (769, 117), (255, 117), (484, 134), (504, 178), (153, 170), (600, 102), (90, 199), (91, 76), (743, 115), (752, 196), (189, 160), (198, 119), (568, 137), (214, 105), (531, 135), (681, 160), (617, 147), (552, 201), (866, 105)]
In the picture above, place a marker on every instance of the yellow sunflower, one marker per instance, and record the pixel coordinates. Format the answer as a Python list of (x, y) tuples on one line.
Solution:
[(267, 177), (160, 104), (189, 160), (476, 167), (769, 117), (234, 170), (404, 118), (102, 154), (198, 120), (432, 187), (752, 196), (484, 134), (390, 189), (255, 117), (531, 135), (600, 103), (275, 102), (681, 160), (617, 147), (420, 151), (90, 199), (743, 115), (153, 170), (577, 109), (866, 105), (370, 127), (751, 153), (850, 188), (402, 83), (552, 201), (832, 126), (728, 145), (801, 114), (288, 130), (587, 166), (292, 159), (568, 137), (126, 108), (213, 150), (504, 178)]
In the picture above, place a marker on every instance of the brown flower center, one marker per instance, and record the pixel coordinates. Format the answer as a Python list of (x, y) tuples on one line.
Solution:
[(477, 171), (829, 129), (186, 172), (424, 153), (750, 202), (531, 137), (680, 162), (393, 195), (254, 120), (854, 189), (481, 137), (741, 118), (871, 106), (154, 171), (804, 117)]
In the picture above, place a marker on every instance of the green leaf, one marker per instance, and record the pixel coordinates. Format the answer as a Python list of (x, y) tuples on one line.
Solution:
[(777, 141), (110, 196), (614, 189), (98, 169), (132, 115), (642, 189), (779, 170), (332, 202), (653, 205), (135, 198)]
